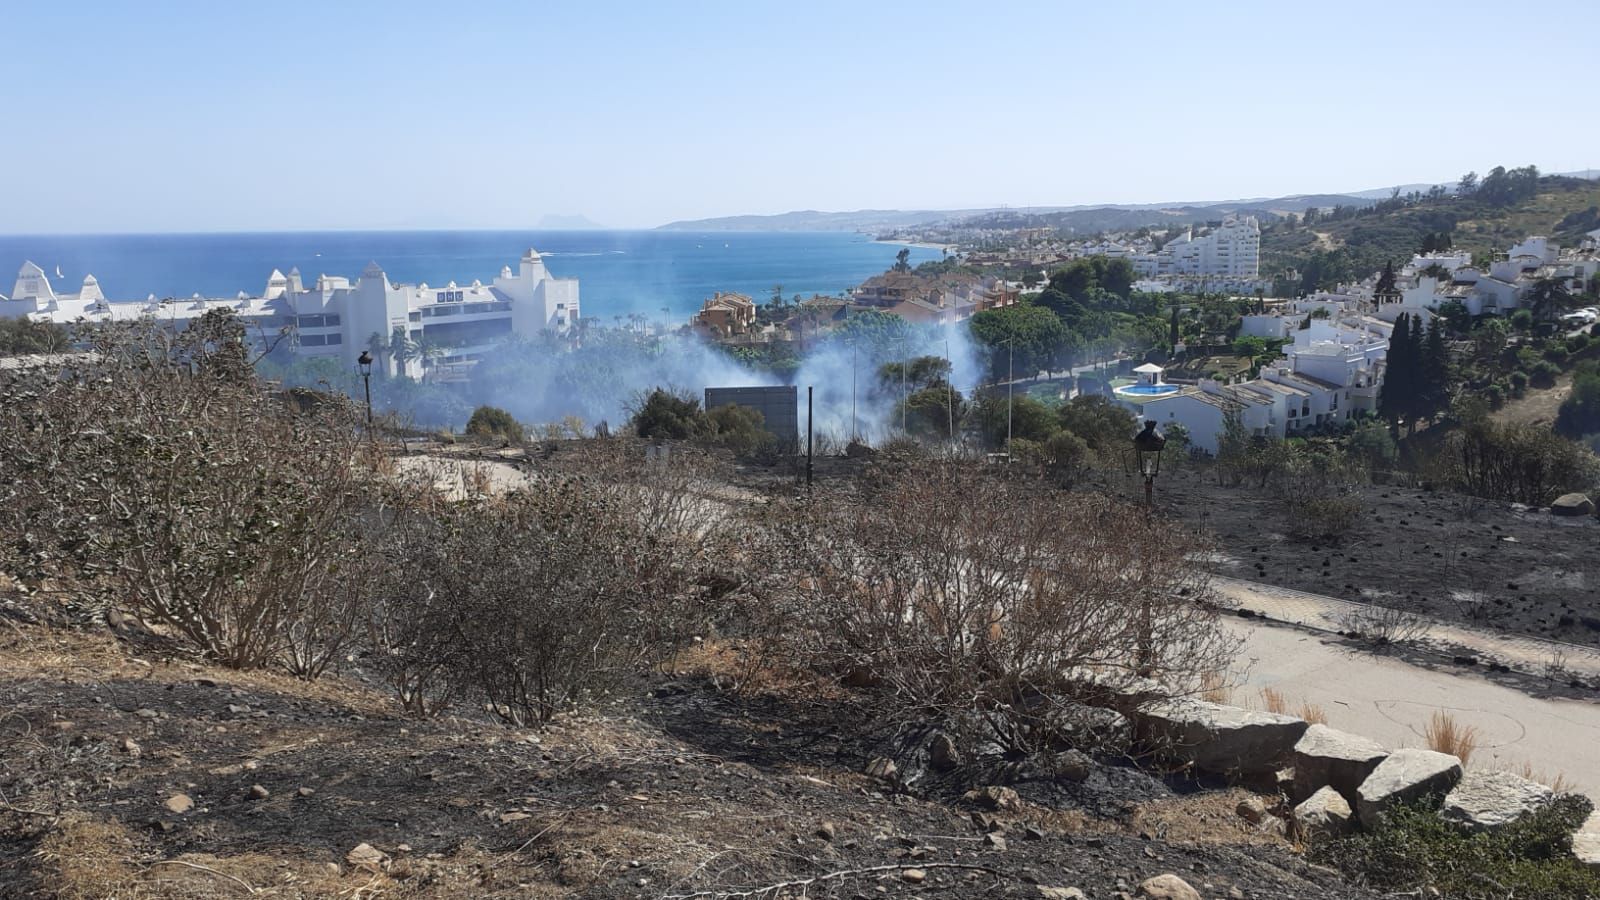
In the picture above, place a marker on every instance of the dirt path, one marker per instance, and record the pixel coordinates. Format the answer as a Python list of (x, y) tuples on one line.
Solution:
[(1329, 614)]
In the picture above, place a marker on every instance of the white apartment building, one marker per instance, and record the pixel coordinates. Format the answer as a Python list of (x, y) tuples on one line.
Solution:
[(336, 317), (1231, 250)]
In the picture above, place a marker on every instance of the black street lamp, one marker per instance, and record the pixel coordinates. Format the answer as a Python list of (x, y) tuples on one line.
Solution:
[(1147, 447), (364, 363)]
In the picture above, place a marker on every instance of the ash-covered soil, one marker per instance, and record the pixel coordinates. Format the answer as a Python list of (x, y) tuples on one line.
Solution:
[(131, 772), (1490, 565)]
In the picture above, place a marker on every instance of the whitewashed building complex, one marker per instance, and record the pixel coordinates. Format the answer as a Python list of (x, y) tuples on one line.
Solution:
[(335, 317), (1231, 250)]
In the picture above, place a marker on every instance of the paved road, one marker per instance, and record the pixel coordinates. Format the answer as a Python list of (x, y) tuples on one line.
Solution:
[(1391, 701)]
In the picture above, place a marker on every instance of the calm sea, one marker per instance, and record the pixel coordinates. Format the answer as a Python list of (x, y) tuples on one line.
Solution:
[(621, 272)]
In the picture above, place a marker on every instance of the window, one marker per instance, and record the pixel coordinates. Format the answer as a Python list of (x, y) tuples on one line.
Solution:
[(326, 321), (335, 339), (415, 317), (314, 340)]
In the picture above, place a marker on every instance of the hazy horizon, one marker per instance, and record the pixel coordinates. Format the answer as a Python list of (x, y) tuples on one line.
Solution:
[(408, 116)]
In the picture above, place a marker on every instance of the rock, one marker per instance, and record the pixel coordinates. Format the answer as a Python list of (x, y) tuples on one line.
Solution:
[(1073, 765), (179, 803), (994, 797), (1060, 893), (509, 817), (882, 767), (994, 841), (1586, 842), (257, 792), (306, 792), (1484, 801), (1324, 814), (1327, 757), (1219, 739), (366, 856), (1405, 775), (131, 747), (1572, 505), (1167, 887), (826, 831), (147, 713), (1252, 810), (913, 876), (942, 753)]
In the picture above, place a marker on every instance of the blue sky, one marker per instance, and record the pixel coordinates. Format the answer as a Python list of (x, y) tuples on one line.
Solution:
[(201, 116)]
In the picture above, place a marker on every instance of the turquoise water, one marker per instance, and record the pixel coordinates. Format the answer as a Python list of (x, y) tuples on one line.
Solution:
[(621, 272), (1147, 389)]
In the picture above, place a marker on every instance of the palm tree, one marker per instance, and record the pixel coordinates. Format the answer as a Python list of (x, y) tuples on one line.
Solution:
[(1549, 297)]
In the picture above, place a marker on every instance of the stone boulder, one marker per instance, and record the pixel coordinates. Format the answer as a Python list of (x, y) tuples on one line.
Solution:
[(1484, 801), (1586, 842), (1327, 757), (1219, 739), (1405, 776), (1324, 814), (1572, 505), (1167, 887)]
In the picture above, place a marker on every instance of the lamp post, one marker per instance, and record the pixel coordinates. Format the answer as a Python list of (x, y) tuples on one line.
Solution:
[(1147, 447), (364, 363)]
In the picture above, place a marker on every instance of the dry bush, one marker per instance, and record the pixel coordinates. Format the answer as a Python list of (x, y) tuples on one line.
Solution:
[(962, 592), (1384, 626), (548, 598), (161, 475), (1445, 735), (1325, 518)]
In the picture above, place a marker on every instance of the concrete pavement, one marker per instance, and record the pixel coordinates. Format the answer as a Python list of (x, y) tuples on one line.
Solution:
[(1391, 701)]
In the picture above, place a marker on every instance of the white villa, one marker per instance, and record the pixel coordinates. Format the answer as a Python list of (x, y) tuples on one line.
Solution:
[(1330, 371), (1501, 290), (335, 317)]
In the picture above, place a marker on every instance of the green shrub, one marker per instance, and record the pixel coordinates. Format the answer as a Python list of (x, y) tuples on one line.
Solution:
[(663, 414), (492, 421), (1543, 374), (742, 430), (1557, 354), (1522, 320), (1519, 383), (1578, 343), (1413, 849), (1495, 395)]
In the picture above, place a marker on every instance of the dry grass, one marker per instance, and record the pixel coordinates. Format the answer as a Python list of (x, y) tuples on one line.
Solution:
[(1275, 701), (1560, 783), (1445, 735), (1313, 713), (748, 670), (1209, 817), (1214, 688)]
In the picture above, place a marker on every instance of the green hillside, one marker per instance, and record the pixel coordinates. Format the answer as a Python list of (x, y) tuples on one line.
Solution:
[(1349, 243)]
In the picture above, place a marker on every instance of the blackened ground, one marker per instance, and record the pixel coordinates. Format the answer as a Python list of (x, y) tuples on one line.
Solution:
[(681, 788)]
